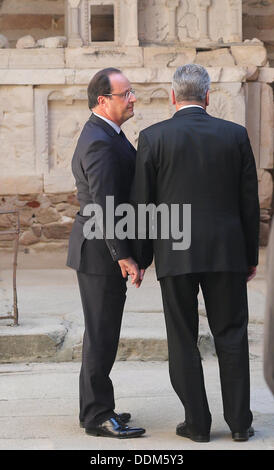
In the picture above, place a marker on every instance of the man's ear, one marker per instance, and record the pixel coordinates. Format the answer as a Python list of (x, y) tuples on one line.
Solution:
[(207, 98), (173, 96), (101, 100)]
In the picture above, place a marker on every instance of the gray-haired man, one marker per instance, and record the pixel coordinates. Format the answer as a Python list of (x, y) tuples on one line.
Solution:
[(194, 158)]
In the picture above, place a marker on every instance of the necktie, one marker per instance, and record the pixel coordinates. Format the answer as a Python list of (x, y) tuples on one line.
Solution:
[(123, 137)]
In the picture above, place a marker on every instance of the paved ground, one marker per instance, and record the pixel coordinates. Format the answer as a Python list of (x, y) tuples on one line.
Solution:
[(51, 319), (39, 408), (39, 400)]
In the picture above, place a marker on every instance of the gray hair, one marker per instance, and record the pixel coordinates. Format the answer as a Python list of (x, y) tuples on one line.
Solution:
[(190, 83)]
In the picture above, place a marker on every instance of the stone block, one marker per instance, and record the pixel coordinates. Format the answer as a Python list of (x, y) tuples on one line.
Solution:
[(253, 101), (4, 42), (215, 58), (233, 74), (266, 74), (100, 57), (62, 206), (4, 58), (8, 237), (71, 211), (33, 77), (72, 199), (58, 230), (168, 56), (267, 124), (265, 189), (52, 42), (36, 58), (26, 215), (47, 215), (252, 73), (264, 234), (59, 183), (6, 221), (37, 230), (26, 42), (249, 55), (31, 184), (16, 101), (35, 339), (28, 238)]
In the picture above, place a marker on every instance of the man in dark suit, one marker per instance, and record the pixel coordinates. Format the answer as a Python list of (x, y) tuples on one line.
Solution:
[(196, 159), (103, 166)]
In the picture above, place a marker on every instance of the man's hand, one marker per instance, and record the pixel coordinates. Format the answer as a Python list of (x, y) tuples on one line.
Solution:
[(129, 267), (142, 273), (251, 273)]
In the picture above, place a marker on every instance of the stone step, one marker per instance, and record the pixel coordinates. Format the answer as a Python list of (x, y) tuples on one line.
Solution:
[(143, 338)]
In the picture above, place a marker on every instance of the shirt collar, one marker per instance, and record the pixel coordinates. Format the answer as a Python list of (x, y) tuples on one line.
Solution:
[(190, 106), (111, 123)]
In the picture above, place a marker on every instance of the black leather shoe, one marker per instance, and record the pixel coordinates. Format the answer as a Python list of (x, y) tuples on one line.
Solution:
[(125, 417), (114, 427), (243, 435), (183, 431)]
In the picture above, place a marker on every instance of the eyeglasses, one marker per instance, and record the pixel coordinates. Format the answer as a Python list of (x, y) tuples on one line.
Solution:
[(126, 95)]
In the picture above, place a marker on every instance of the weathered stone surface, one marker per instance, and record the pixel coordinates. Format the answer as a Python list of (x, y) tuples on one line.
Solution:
[(6, 238), (264, 234), (249, 55), (188, 22), (252, 73), (35, 339), (72, 199), (21, 184), (58, 198), (218, 57), (47, 215), (58, 230), (71, 211), (265, 188), (4, 42), (267, 125), (52, 42), (266, 74), (26, 42), (62, 206), (37, 230), (233, 74), (26, 215), (33, 77), (168, 56), (100, 57), (253, 101), (55, 183), (36, 58), (28, 238)]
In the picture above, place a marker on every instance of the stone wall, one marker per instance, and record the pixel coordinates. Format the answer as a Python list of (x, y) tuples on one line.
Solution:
[(40, 18), (43, 98), (258, 22)]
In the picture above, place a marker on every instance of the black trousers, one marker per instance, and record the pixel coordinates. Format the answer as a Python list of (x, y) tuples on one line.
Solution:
[(103, 299), (225, 296)]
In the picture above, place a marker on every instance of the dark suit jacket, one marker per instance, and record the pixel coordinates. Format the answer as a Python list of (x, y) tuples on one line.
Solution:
[(103, 165), (194, 158), (269, 316)]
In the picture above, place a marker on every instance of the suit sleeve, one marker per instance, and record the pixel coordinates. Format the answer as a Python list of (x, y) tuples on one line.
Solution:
[(101, 167), (143, 192), (249, 201)]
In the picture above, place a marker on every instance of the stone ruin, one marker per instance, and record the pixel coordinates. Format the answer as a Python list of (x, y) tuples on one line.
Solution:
[(50, 49)]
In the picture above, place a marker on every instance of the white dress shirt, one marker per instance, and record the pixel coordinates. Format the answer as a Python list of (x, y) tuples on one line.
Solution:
[(111, 123), (190, 106)]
